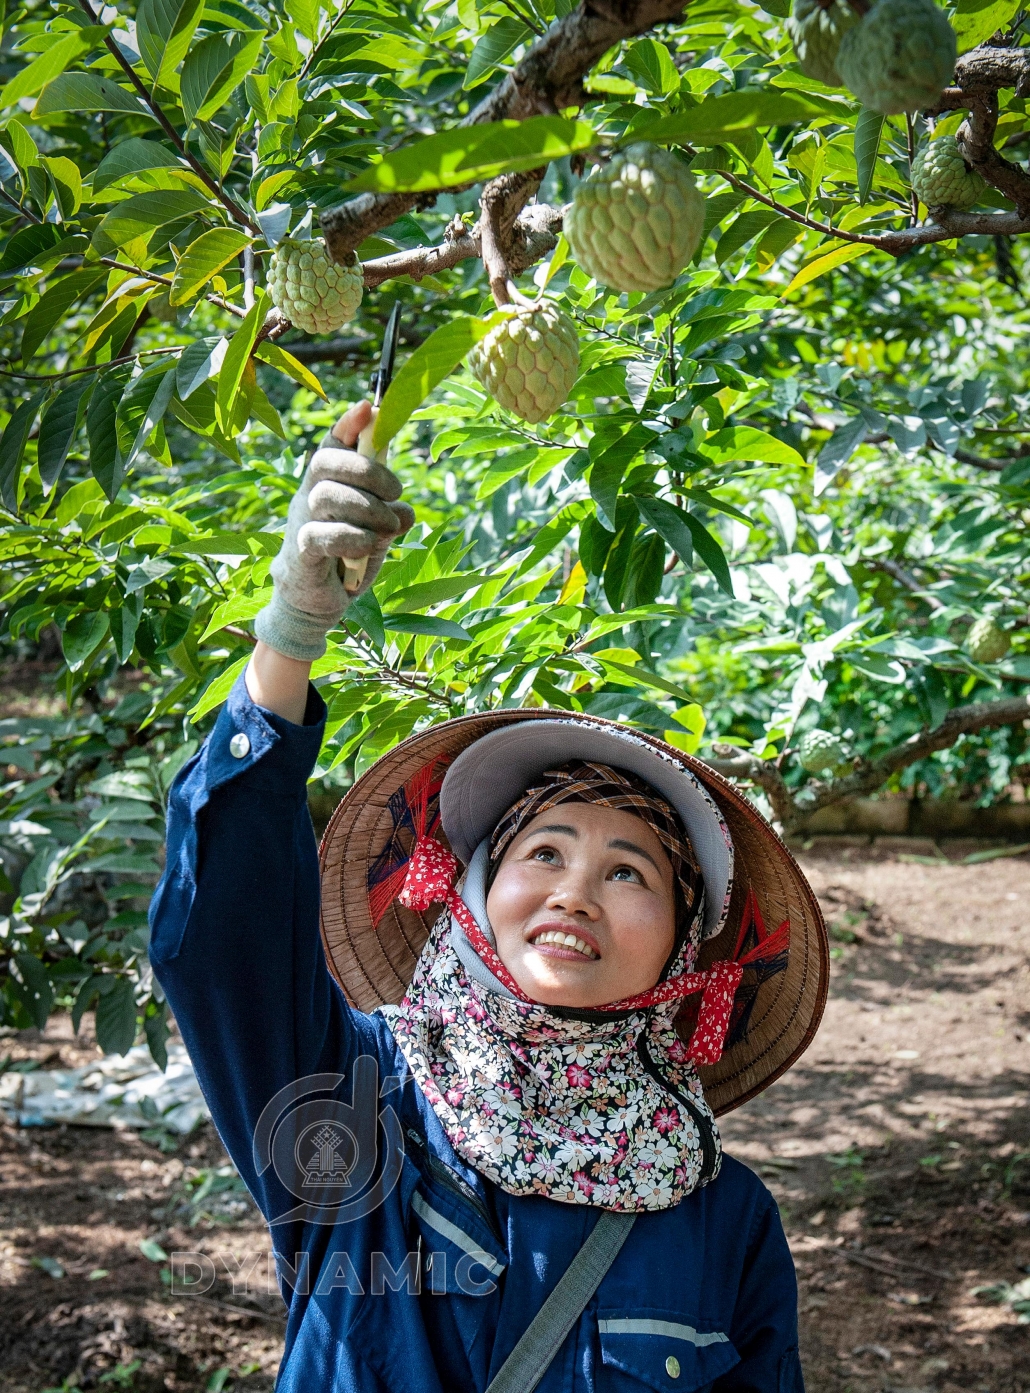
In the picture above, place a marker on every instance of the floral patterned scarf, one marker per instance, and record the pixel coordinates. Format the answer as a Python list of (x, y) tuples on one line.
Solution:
[(596, 1107)]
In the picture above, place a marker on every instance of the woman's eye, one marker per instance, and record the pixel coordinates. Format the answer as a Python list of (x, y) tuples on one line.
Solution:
[(627, 873), (545, 853)]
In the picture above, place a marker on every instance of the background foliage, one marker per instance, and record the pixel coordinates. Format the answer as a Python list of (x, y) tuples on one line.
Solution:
[(782, 491)]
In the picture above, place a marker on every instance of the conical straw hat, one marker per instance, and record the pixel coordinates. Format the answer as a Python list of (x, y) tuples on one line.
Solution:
[(771, 918)]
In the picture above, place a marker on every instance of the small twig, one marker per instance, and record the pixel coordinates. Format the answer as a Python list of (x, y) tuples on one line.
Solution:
[(25, 212), (248, 278), (526, 19), (911, 133), (96, 367)]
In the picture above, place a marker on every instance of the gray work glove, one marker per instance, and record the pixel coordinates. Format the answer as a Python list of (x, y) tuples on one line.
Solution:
[(346, 510)]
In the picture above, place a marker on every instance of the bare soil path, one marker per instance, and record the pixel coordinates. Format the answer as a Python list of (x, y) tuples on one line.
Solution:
[(898, 1150)]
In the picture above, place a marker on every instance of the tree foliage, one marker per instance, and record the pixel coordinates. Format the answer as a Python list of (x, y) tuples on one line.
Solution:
[(780, 494)]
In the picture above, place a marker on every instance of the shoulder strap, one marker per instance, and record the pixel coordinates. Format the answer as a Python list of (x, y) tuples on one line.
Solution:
[(532, 1356)]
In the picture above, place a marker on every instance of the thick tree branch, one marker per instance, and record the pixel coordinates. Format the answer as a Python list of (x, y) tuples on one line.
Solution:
[(534, 234), (548, 79), (502, 201), (737, 764), (869, 775)]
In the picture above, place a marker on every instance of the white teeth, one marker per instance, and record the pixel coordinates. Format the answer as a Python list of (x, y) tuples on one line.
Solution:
[(566, 940)]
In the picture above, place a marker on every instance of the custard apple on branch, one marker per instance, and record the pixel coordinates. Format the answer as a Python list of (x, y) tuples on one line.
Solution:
[(820, 752), (636, 221), (987, 642), (942, 178), (313, 292), (529, 361), (900, 58), (816, 31)]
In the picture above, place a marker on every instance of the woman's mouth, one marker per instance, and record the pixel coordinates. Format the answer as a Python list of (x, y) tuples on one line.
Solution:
[(559, 943)]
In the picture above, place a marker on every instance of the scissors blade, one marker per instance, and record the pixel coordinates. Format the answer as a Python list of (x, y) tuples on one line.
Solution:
[(384, 374)]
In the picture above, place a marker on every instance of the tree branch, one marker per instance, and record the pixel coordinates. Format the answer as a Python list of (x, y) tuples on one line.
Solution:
[(534, 234), (502, 201), (905, 578), (548, 79), (737, 764), (873, 774)]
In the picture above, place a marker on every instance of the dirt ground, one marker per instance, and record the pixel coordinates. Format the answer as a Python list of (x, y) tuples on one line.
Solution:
[(898, 1150)]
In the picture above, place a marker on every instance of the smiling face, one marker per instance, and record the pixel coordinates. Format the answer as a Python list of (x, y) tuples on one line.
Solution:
[(583, 906)]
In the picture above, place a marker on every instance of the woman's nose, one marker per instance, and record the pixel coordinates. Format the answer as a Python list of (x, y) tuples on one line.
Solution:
[(573, 896)]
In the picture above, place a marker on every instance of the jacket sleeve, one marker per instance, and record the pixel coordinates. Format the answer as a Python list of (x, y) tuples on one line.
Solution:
[(235, 938), (765, 1319)]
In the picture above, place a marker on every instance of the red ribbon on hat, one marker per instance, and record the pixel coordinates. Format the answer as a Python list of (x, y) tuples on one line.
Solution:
[(432, 871)]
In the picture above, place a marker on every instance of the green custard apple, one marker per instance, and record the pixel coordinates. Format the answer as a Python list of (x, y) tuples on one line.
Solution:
[(900, 58), (819, 751), (636, 221), (313, 292), (529, 361), (816, 32), (986, 642), (941, 177)]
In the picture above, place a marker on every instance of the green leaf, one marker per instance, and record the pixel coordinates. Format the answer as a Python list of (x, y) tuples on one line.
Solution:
[(468, 154), (116, 1018), (53, 308), (237, 357), (144, 213), (151, 1249), (199, 361), (651, 64), (82, 92), (132, 157), (57, 429), (203, 259), (214, 69), (30, 245), (839, 257), (670, 523), (105, 461), (37, 994), (432, 592), (52, 63), (66, 182), (164, 30), (686, 534), (83, 635), (715, 120), (141, 408), (867, 144), (426, 624), (218, 690), (608, 470), (124, 623), (12, 448), (741, 231), (367, 614), (493, 47), (746, 444), (431, 362), (277, 357), (976, 20)]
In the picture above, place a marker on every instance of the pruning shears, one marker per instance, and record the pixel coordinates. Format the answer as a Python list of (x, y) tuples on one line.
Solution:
[(353, 572)]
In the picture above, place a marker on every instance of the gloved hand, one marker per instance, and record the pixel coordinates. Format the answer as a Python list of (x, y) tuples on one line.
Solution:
[(346, 508)]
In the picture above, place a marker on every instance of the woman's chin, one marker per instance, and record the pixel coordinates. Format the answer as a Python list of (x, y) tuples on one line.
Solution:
[(557, 982)]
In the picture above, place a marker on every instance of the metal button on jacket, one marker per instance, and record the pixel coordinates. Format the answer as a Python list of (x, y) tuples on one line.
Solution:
[(672, 1366), (239, 745)]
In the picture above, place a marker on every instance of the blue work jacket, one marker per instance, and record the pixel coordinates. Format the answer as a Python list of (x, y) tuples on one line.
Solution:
[(402, 1268)]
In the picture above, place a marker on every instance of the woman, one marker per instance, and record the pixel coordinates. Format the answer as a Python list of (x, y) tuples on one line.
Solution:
[(512, 1179)]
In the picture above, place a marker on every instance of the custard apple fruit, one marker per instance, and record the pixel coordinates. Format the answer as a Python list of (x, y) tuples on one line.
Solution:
[(636, 221), (529, 361), (313, 292), (816, 34), (900, 58), (819, 751), (986, 642), (941, 177)]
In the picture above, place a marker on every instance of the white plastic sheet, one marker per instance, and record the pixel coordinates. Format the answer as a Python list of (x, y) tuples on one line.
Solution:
[(108, 1093)]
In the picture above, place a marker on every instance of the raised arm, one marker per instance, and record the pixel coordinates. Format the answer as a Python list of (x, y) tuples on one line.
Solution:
[(234, 923)]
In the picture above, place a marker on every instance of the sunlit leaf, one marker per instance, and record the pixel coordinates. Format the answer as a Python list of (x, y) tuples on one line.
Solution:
[(431, 362), (203, 259)]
